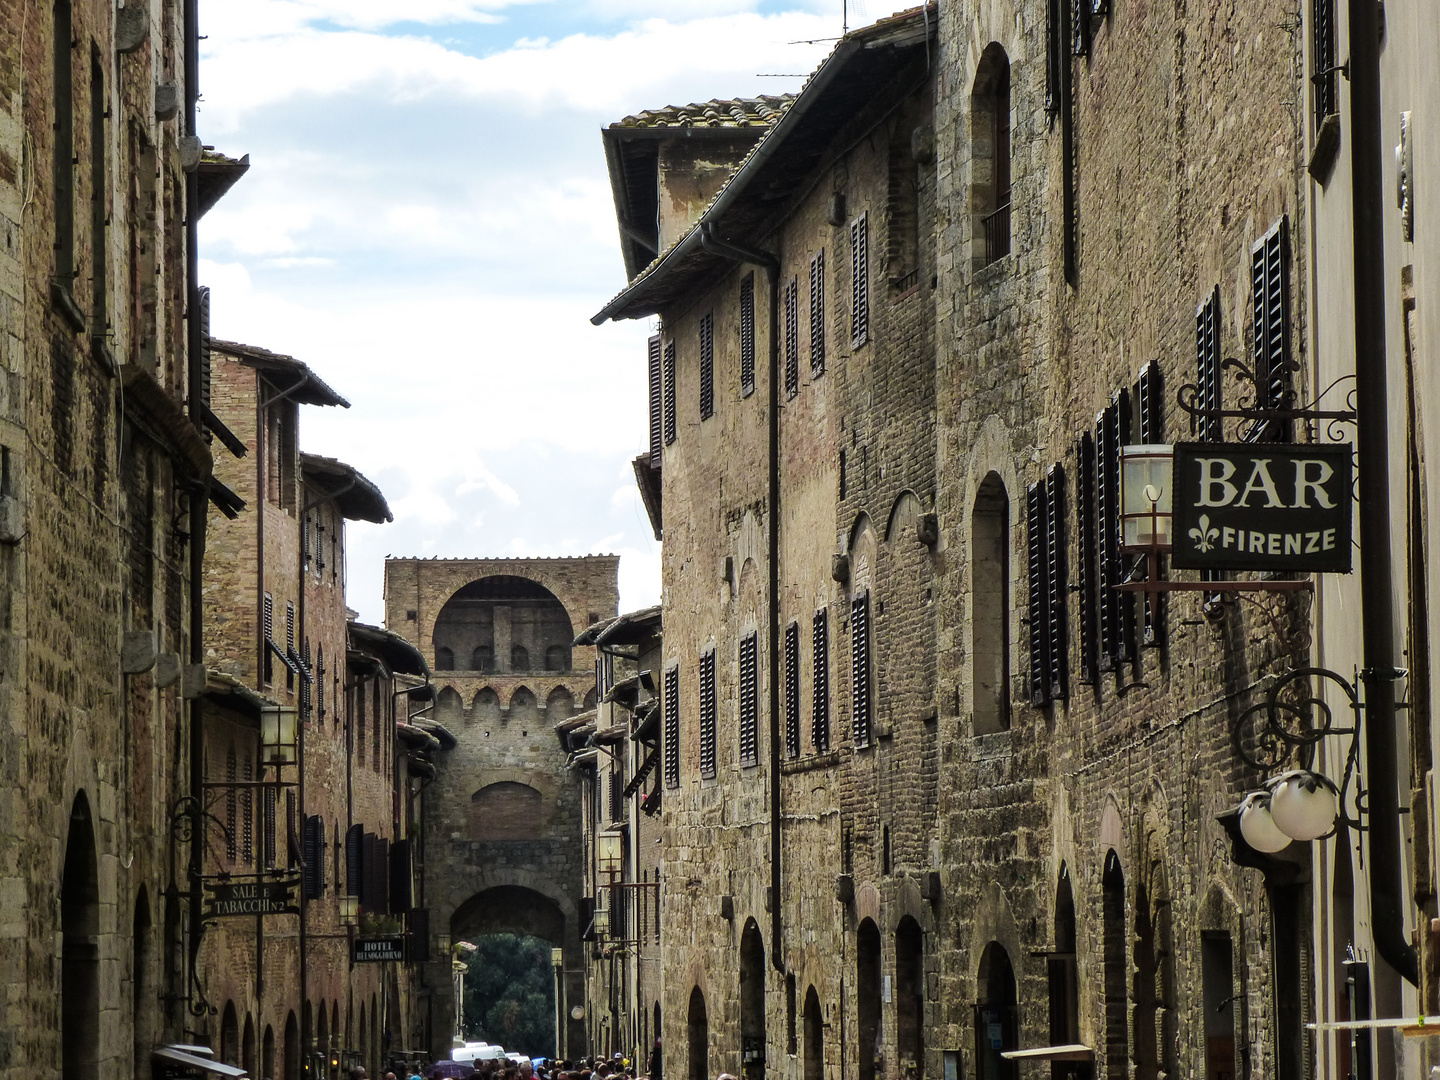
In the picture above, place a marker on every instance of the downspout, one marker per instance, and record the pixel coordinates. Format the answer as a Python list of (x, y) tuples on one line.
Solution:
[(1373, 453), (771, 263)]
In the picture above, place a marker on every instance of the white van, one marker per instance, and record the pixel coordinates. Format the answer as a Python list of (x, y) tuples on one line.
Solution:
[(477, 1051)]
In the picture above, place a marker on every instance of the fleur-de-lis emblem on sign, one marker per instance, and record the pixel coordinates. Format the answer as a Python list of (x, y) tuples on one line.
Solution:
[(1203, 535)]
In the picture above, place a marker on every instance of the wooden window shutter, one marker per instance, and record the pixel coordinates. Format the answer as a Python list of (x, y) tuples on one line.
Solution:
[(232, 808), (1086, 555), (336, 849), (860, 281), (268, 627), (1150, 398), (290, 645), (792, 338), (749, 700), (401, 886), (1322, 59), (1056, 582), (306, 679), (653, 366), (707, 366), (292, 830), (617, 802), (672, 727), (380, 875), (1036, 535), (1116, 608), (1080, 27), (669, 404), (860, 717), (1207, 368), (820, 676), (747, 335), (792, 690), (269, 808), (817, 314), (355, 860), (320, 681), (1270, 293), (313, 852), (247, 813), (707, 715), (204, 395)]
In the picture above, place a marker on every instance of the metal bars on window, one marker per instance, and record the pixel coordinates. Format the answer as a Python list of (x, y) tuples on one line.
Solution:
[(707, 366), (672, 727), (792, 690), (860, 281), (747, 335), (669, 402), (820, 678), (792, 338), (860, 703), (817, 315), (1270, 294), (707, 715), (1045, 535), (749, 700), (656, 397)]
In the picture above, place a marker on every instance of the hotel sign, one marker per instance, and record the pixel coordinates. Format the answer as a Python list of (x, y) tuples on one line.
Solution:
[(377, 949), (1262, 506)]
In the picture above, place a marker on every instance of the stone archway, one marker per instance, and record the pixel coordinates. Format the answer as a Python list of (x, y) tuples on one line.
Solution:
[(509, 909)]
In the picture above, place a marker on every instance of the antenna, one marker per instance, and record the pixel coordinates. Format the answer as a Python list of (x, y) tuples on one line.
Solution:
[(844, 17)]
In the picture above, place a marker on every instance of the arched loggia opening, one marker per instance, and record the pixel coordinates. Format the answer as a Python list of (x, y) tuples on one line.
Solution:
[(698, 1036), (1117, 1025), (867, 996), (80, 953), (1064, 983), (230, 1035), (292, 1047), (814, 1037), (997, 1015), (752, 1002), (910, 997)]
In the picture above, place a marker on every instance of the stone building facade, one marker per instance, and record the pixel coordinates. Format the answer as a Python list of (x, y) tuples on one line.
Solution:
[(104, 472), (290, 994), (502, 845), (938, 791)]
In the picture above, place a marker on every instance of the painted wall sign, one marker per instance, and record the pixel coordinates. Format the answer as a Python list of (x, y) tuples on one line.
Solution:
[(1262, 506), (224, 899), (375, 949)]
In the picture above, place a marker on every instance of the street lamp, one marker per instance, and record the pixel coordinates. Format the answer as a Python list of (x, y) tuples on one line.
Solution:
[(609, 853), (279, 735), (1257, 824), (459, 967), (1303, 804), (1145, 497)]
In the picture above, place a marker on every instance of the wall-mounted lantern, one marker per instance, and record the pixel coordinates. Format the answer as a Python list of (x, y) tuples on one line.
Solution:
[(279, 735), (609, 853), (1145, 497)]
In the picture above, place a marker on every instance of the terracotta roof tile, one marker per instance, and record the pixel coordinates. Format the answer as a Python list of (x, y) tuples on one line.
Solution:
[(759, 112)]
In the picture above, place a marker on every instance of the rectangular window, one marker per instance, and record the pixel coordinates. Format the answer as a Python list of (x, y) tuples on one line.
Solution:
[(707, 715), (749, 700), (817, 315), (653, 366), (672, 727), (860, 281), (1207, 367), (792, 338), (860, 717), (747, 335), (1270, 292), (707, 366), (792, 690), (669, 364), (820, 676), (1322, 58), (99, 189)]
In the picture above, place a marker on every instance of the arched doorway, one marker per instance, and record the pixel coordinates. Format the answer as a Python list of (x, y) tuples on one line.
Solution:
[(1064, 982), (1117, 1003), (910, 997), (814, 1025), (247, 1046), (752, 1001), (80, 953), (867, 995), (230, 1035), (292, 1047), (698, 1034), (267, 1054), (142, 989), (996, 1015), (990, 606)]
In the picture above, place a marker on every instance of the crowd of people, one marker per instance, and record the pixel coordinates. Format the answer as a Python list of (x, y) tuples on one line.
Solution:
[(618, 1067)]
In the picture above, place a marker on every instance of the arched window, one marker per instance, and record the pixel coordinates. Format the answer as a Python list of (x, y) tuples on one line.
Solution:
[(910, 997), (996, 1015), (444, 658), (557, 658), (519, 658), (752, 1001), (814, 1037), (990, 606), (1117, 1027), (990, 141), (698, 1035), (483, 658), (867, 995), (80, 954)]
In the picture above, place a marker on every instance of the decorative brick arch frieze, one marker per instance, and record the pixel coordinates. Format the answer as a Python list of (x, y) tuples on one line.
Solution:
[(993, 919), (1112, 835)]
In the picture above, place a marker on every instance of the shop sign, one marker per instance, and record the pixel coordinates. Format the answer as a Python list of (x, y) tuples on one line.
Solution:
[(376, 949), (228, 898), (1262, 506)]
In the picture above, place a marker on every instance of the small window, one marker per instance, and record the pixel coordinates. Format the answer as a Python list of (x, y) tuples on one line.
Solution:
[(557, 658), (444, 658), (483, 658), (990, 108), (519, 658), (707, 366), (990, 607)]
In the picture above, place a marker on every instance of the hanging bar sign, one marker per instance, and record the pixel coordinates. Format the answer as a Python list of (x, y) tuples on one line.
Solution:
[(1262, 506)]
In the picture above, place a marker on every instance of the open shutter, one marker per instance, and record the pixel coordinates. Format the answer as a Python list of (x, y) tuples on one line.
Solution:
[(1056, 581), (401, 882), (747, 335), (820, 675), (1270, 292), (1036, 564), (860, 669), (792, 338), (653, 366), (749, 700), (1086, 552), (418, 932), (355, 860), (792, 690), (707, 715), (1150, 396), (1207, 367), (669, 366), (204, 387), (1322, 59), (313, 873), (860, 281), (707, 366), (817, 314), (672, 727)]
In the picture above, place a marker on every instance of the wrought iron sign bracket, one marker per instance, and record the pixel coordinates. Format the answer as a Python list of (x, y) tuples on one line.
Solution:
[(1188, 398)]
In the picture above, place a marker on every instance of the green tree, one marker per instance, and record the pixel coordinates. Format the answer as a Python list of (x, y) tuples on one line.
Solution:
[(510, 994)]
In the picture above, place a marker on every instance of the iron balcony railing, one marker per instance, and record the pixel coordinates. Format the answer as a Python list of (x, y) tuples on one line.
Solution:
[(997, 233)]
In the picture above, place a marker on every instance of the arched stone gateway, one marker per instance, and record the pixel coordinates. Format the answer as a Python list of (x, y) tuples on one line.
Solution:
[(502, 848)]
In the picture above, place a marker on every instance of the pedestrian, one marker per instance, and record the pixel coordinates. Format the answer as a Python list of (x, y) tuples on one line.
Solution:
[(655, 1064)]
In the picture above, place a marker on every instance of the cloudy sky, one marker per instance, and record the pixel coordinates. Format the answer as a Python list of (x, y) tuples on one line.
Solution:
[(427, 222)]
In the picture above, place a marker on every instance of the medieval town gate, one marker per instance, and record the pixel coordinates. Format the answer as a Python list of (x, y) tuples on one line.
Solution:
[(503, 849)]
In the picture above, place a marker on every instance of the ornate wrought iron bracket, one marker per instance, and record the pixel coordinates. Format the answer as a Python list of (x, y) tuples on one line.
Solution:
[(1285, 409)]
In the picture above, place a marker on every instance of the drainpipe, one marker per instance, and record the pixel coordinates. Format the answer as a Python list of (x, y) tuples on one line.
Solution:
[(1373, 451), (771, 264)]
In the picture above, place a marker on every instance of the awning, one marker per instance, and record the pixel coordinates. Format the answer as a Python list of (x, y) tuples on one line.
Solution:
[(615, 733), (1069, 1052), (187, 1059)]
